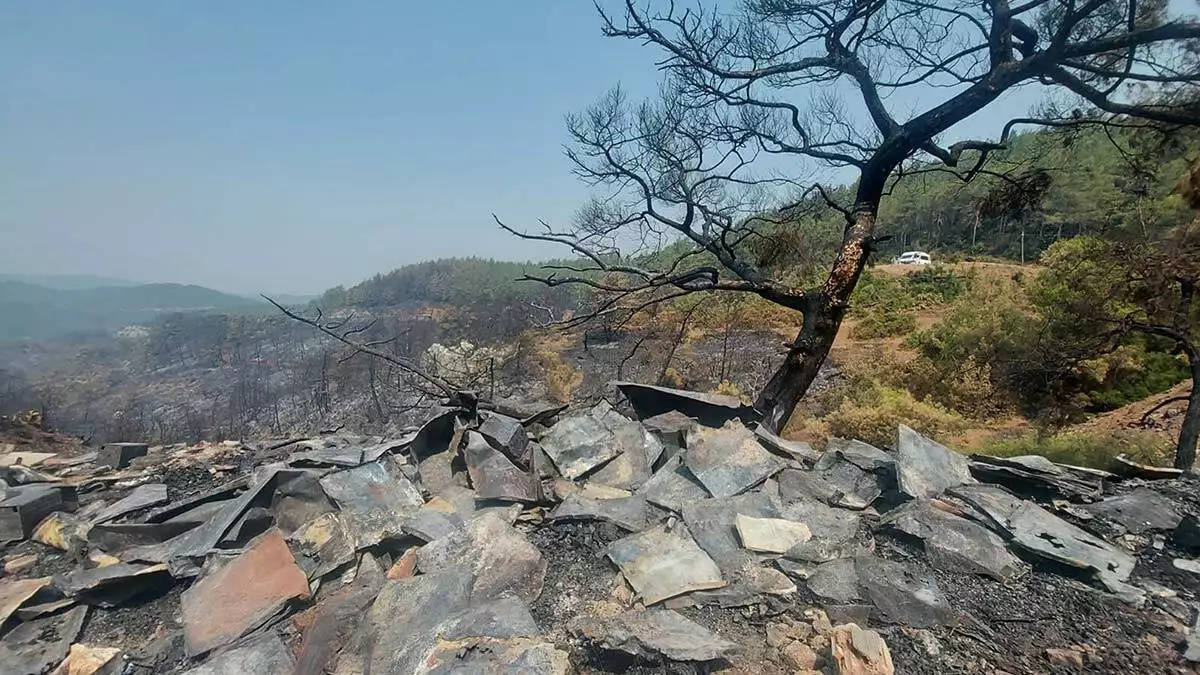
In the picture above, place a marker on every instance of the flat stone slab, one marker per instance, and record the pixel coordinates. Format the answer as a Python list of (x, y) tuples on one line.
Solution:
[(376, 500), (242, 595), (142, 497), (900, 594), (955, 544), (493, 475), (323, 544), (925, 468), (110, 585), (640, 450), (580, 443), (628, 513), (1139, 511), (729, 460), (264, 655), (1042, 533), (712, 523), (35, 647), (673, 487), (711, 410), (833, 530), (497, 557), (797, 450), (14, 593), (404, 619), (857, 471), (659, 564), (671, 427), (903, 594), (770, 535), (653, 634), (836, 580), (1038, 477), (513, 656)]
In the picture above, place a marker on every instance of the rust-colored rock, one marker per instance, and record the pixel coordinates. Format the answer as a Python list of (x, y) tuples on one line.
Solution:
[(13, 594), (405, 567), (242, 595), (87, 660), (20, 563), (859, 652), (1065, 657)]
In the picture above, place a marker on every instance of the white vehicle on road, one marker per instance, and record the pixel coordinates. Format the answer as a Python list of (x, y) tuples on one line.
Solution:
[(912, 258)]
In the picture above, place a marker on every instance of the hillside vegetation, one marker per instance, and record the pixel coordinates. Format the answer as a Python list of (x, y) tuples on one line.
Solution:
[(33, 312), (975, 351)]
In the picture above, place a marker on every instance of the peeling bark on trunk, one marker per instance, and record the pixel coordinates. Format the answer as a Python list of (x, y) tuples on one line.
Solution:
[(823, 315)]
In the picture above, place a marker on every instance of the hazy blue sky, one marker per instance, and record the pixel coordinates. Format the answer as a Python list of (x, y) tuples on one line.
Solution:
[(289, 146)]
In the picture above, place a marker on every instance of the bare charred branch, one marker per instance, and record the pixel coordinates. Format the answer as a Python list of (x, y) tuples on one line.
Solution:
[(369, 349)]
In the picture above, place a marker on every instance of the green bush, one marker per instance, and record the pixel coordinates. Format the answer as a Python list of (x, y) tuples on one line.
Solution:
[(935, 285), (1083, 449), (966, 387), (884, 322), (873, 413), (927, 287), (1134, 374)]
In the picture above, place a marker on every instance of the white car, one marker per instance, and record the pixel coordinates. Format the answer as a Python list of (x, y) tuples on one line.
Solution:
[(912, 258)]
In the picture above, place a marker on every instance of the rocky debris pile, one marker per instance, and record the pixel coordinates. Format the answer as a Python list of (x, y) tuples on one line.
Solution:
[(679, 538)]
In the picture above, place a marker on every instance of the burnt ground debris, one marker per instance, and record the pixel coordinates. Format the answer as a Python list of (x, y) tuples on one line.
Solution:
[(491, 562)]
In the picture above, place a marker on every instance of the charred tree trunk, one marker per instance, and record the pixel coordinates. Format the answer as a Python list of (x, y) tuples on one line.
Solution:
[(807, 353), (823, 314), (1185, 448)]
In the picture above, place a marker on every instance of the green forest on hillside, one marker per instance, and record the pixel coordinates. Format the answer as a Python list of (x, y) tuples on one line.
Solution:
[(1057, 184)]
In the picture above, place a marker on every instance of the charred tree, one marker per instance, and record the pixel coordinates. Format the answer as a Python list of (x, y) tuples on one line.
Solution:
[(756, 102)]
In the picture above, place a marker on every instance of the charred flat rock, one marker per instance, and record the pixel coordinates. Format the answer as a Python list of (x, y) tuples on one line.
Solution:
[(594, 542)]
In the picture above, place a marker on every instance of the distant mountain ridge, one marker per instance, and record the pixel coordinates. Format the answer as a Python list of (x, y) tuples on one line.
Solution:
[(33, 311), (68, 282)]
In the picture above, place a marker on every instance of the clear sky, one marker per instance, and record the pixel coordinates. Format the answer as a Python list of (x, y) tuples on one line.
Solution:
[(288, 146)]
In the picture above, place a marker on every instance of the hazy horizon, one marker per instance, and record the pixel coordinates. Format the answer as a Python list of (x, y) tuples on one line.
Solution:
[(288, 148)]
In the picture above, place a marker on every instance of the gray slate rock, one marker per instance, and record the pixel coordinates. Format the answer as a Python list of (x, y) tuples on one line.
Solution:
[(729, 460), (34, 647), (493, 475), (659, 564), (515, 656), (673, 487), (1042, 533), (858, 471), (903, 594), (836, 580), (1139, 511), (262, 655), (955, 544), (653, 634), (142, 497), (498, 558), (797, 450), (833, 530), (925, 468), (580, 443), (628, 513), (640, 450), (376, 500), (506, 434)]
